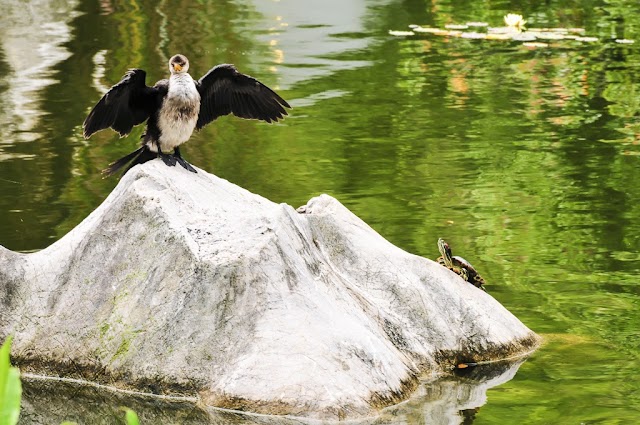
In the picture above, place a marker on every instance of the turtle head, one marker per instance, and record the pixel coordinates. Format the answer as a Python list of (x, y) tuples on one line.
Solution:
[(445, 251)]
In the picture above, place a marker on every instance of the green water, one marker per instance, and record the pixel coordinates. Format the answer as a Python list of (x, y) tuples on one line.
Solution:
[(527, 160)]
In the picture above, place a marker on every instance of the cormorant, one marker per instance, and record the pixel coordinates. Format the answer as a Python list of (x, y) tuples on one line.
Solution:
[(174, 108)]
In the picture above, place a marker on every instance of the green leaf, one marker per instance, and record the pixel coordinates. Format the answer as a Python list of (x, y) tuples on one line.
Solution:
[(4, 365), (131, 417), (10, 387)]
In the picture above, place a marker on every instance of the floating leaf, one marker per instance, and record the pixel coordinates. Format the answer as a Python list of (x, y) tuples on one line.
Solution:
[(542, 30), (548, 35), (586, 39), (400, 33), (501, 30), (474, 35), (498, 37), (456, 27), (523, 36), (513, 31), (477, 24), (535, 45), (436, 31)]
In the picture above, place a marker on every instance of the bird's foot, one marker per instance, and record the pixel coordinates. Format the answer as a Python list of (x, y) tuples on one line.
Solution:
[(181, 161), (169, 160), (185, 164)]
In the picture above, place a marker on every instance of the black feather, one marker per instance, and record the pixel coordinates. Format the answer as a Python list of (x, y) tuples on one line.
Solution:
[(224, 90), (125, 105), (139, 156)]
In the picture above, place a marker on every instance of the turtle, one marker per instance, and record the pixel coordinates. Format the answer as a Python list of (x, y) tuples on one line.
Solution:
[(458, 265)]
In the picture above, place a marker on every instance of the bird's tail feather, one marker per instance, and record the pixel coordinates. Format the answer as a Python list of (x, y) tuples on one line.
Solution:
[(139, 156)]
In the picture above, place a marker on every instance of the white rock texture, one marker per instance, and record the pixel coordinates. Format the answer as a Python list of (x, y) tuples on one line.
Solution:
[(185, 283)]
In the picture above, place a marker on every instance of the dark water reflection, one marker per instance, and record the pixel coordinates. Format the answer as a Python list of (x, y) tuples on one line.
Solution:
[(526, 160), (454, 399)]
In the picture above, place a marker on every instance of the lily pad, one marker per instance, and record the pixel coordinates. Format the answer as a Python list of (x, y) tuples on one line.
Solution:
[(502, 30), (477, 24), (436, 31), (456, 27), (548, 35), (498, 36), (474, 35), (535, 45), (586, 39), (401, 33), (523, 36), (513, 31)]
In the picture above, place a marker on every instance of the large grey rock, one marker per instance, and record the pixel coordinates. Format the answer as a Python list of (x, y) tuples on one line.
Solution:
[(185, 283)]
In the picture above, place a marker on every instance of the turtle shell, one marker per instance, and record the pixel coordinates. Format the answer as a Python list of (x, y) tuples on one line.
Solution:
[(472, 275), (461, 262)]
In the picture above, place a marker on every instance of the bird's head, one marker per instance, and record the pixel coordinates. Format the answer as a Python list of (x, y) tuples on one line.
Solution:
[(178, 64)]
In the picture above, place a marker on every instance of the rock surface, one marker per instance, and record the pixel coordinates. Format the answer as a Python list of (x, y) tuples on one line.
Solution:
[(185, 283)]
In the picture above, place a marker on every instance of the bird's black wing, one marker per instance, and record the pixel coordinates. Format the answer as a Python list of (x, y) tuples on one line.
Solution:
[(128, 103), (224, 90)]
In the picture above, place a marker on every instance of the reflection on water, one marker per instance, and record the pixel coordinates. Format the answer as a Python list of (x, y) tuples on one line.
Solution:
[(317, 34), (452, 400), (524, 159), (31, 44), (99, 71)]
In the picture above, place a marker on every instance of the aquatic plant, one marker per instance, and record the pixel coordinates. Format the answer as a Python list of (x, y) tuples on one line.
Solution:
[(11, 392), (513, 31), (513, 20), (10, 387)]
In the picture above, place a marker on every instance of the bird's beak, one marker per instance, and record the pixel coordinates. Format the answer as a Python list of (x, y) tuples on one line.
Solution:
[(177, 67)]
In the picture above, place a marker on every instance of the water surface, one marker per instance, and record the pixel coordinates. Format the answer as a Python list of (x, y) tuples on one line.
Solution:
[(525, 159)]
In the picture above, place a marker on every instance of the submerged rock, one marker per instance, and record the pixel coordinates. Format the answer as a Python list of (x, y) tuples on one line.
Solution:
[(183, 283)]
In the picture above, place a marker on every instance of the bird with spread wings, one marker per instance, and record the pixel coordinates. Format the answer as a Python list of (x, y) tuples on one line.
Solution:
[(175, 107)]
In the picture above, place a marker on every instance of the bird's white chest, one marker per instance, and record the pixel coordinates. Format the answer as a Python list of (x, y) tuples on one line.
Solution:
[(179, 112)]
